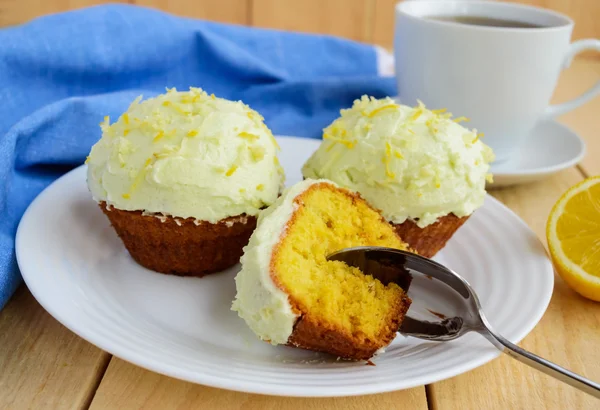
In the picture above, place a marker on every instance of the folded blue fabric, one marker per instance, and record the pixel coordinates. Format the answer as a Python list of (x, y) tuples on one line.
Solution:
[(61, 74)]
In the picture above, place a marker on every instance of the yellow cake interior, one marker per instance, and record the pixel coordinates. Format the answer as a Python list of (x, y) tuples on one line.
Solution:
[(329, 219)]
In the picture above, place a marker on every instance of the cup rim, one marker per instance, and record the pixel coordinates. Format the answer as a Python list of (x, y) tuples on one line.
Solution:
[(404, 8)]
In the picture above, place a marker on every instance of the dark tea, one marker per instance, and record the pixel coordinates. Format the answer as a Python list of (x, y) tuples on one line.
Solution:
[(484, 21)]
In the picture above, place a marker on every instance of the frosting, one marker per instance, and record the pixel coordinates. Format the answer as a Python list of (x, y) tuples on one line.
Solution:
[(186, 154), (408, 162), (259, 301)]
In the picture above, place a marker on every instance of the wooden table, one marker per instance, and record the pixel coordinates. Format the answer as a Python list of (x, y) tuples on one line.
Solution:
[(44, 365)]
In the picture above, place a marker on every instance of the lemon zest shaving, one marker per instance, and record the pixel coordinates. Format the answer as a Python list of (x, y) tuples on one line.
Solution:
[(477, 137), (158, 136), (192, 133), (346, 143), (248, 136), (386, 161), (417, 114), (126, 196), (231, 170), (180, 110), (257, 153), (87, 159), (260, 187), (125, 132), (126, 119), (461, 119), (378, 110), (440, 111), (166, 103)]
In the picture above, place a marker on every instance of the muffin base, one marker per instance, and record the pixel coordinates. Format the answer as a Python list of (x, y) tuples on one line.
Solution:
[(315, 332), (318, 335), (178, 246), (429, 240)]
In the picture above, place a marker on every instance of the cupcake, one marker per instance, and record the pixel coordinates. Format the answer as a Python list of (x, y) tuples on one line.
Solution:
[(289, 293), (182, 178), (424, 171)]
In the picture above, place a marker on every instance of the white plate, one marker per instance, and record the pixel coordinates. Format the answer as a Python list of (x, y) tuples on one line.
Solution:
[(551, 147), (77, 268)]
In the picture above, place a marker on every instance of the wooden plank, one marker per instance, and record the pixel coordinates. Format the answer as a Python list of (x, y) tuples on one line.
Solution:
[(127, 386), (567, 334), (582, 74), (384, 15), (226, 11), (346, 18), (19, 11), (44, 365)]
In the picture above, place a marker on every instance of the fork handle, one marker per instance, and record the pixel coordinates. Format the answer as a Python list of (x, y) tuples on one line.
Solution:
[(586, 385)]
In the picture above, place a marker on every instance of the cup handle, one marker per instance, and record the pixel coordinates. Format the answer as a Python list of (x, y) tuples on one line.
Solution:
[(574, 49)]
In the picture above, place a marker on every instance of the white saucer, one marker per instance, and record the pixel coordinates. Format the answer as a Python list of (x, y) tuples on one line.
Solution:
[(551, 147), (79, 271)]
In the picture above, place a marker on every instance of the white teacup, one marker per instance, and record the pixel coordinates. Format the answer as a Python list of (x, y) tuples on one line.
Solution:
[(502, 78)]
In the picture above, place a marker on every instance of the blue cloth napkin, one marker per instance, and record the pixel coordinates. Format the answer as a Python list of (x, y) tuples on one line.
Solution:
[(61, 74)]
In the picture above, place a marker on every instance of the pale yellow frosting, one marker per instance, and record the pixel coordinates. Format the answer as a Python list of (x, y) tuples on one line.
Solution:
[(263, 306), (410, 163), (186, 154)]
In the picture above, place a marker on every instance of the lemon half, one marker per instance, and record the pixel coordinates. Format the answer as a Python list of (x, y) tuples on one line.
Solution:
[(573, 232)]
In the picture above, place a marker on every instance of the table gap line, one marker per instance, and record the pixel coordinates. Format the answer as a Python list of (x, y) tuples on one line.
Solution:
[(429, 397), (249, 13), (99, 376), (582, 171)]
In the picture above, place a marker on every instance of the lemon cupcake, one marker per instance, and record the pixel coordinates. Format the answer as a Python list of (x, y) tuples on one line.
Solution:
[(182, 177), (289, 293), (424, 171)]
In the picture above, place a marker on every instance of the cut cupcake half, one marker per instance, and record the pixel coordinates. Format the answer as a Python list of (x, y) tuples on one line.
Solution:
[(289, 293)]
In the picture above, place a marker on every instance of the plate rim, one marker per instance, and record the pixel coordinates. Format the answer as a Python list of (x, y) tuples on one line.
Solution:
[(255, 387)]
